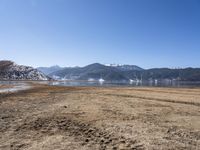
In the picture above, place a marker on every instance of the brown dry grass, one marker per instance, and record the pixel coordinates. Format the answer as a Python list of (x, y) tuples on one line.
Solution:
[(3, 86), (100, 118)]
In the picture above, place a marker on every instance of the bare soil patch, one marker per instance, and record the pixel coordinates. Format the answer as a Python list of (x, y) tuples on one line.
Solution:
[(88, 118)]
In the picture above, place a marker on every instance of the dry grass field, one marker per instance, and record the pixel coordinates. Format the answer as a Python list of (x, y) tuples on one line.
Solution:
[(90, 118)]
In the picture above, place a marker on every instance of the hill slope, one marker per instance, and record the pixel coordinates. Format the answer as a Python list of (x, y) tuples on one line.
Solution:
[(11, 71), (48, 70), (125, 67)]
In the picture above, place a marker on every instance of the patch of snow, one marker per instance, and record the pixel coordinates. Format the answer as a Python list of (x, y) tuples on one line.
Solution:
[(56, 77), (91, 79), (101, 80)]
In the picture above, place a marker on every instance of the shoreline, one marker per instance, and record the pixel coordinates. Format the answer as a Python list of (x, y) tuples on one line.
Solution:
[(7, 88)]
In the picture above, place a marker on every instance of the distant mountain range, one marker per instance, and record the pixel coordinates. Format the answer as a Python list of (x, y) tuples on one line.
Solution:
[(94, 72), (11, 71), (110, 72), (186, 74), (90, 72), (48, 70)]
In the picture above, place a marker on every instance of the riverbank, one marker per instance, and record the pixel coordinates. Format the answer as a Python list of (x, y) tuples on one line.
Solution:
[(50, 117)]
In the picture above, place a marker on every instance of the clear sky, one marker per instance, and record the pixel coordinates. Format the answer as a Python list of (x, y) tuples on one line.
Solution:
[(147, 33)]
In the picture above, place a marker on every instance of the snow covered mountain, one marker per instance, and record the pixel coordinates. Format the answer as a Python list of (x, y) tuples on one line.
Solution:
[(125, 67), (11, 71)]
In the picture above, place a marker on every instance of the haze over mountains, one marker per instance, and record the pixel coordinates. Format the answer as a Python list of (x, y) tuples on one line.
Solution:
[(111, 72), (48, 70)]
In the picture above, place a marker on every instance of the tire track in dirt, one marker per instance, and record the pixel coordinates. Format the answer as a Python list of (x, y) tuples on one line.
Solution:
[(155, 99), (191, 139), (88, 134), (181, 92)]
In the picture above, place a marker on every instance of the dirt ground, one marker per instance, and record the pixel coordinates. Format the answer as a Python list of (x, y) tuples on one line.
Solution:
[(3, 86), (90, 118)]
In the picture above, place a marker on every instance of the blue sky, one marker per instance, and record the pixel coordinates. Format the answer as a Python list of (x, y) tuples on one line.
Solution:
[(148, 33)]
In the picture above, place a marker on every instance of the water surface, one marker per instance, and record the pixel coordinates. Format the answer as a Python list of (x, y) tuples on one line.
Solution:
[(178, 84), (127, 84)]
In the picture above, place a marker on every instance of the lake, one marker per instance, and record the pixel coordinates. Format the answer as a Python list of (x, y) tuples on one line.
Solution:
[(109, 84), (126, 84)]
